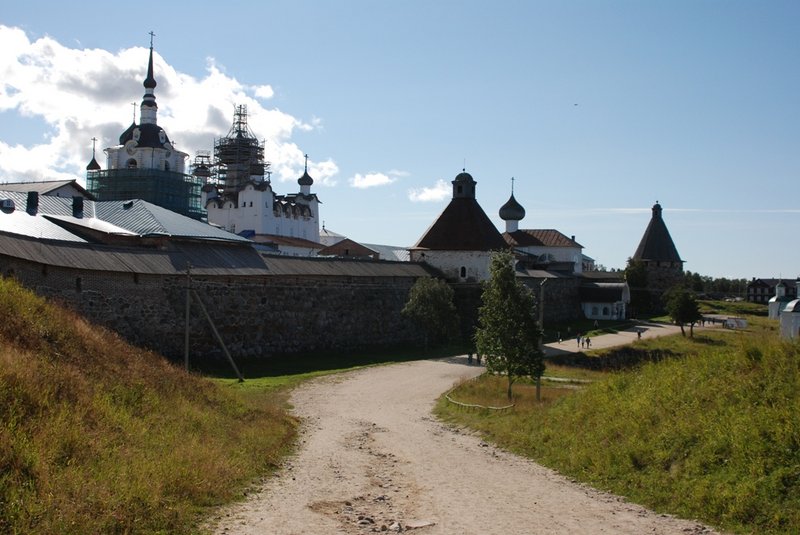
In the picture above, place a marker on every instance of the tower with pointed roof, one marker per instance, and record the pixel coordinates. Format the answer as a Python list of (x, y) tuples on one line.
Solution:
[(658, 254), (460, 242), (145, 164)]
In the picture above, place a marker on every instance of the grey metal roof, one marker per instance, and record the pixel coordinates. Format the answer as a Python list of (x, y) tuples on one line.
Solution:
[(390, 252), (20, 222), (205, 259), (43, 187), (134, 216), (147, 219), (303, 266)]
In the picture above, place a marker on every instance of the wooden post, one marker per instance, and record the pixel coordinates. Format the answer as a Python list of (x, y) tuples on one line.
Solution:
[(218, 337), (541, 337), (188, 307)]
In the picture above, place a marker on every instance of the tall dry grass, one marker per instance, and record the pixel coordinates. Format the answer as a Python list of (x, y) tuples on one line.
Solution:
[(97, 436)]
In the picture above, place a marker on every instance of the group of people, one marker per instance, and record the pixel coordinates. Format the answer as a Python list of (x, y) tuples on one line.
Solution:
[(584, 342)]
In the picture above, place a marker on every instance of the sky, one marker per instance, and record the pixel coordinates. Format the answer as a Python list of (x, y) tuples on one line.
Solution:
[(598, 109)]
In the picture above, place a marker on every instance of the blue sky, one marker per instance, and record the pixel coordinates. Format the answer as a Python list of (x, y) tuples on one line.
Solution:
[(598, 109)]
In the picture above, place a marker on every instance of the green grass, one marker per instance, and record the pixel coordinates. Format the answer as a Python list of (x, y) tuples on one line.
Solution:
[(713, 433), (97, 436)]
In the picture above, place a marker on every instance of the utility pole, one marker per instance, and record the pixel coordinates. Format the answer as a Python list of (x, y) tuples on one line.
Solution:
[(188, 306), (541, 336)]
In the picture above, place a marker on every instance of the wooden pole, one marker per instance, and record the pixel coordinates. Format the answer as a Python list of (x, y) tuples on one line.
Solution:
[(541, 337), (188, 307), (217, 336)]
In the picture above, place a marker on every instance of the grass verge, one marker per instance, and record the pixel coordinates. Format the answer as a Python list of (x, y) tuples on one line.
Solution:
[(97, 436)]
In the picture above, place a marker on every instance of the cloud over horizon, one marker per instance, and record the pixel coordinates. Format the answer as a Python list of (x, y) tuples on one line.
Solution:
[(84, 93), (371, 180), (438, 192)]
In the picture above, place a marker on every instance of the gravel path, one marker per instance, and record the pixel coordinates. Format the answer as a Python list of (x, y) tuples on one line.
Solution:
[(372, 459)]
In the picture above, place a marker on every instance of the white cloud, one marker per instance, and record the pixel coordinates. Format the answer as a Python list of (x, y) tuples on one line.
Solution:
[(264, 91), (85, 93), (439, 192), (370, 180)]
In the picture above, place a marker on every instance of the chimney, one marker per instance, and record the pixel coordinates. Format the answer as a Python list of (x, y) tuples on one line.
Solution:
[(33, 202), (573, 237), (77, 206)]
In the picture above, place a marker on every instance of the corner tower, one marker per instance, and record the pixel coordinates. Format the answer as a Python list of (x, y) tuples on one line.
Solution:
[(658, 254)]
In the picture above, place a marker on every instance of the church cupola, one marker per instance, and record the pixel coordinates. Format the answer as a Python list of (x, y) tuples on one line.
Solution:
[(93, 165), (149, 108), (512, 212), (305, 181), (464, 186)]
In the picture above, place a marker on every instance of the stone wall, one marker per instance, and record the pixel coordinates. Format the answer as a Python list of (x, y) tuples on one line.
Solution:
[(255, 316)]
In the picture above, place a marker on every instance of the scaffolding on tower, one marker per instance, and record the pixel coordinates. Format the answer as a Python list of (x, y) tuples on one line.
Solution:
[(238, 157)]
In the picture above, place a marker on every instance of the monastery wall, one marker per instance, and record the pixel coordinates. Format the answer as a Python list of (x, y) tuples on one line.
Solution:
[(255, 316)]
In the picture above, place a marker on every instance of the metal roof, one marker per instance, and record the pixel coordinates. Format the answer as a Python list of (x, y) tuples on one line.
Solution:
[(301, 266), (535, 237), (205, 259), (147, 219)]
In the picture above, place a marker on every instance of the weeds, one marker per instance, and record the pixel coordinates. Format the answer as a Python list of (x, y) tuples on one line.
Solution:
[(97, 436)]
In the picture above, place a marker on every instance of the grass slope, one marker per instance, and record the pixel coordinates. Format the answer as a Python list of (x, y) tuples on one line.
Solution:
[(713, 435), (97, 436)]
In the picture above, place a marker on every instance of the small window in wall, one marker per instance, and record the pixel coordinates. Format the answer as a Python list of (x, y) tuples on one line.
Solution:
[(136, 278), (131, 164), (463, 272), (605, 311), (166, 166), (594, 311), (44, 270), (251, 204), (78, 284), (460, 189)]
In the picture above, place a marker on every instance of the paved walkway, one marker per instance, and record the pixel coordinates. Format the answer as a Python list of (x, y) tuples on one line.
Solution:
[(621, 338)]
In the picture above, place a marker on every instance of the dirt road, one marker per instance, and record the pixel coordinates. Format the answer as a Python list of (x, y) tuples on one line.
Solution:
[(373, 459)]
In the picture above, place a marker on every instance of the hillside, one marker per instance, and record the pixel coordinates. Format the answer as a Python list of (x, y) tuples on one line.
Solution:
[(712, 432), (97, 436)]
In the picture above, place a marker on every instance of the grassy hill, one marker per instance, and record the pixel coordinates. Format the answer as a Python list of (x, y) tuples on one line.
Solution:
[(97, 436), (713, 433)]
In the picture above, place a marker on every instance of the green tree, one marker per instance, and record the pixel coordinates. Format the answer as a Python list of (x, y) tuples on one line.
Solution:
[(508, 333), (430, 305), (636, 277), (683, 308)]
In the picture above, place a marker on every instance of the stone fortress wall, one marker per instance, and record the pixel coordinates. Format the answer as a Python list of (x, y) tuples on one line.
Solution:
[(255, 315)]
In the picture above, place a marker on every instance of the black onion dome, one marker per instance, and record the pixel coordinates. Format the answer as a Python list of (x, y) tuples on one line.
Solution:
[(512, 210), (149, 135), (127, 135), (305, 180), (93, 165)]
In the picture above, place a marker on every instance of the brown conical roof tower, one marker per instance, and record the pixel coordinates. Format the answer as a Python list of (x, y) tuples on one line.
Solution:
[(657, 244)]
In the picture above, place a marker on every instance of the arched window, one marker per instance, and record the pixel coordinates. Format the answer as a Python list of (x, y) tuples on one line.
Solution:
[(463, 272), (131, 164), (605, 311), (594, 311), (166, 165)]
